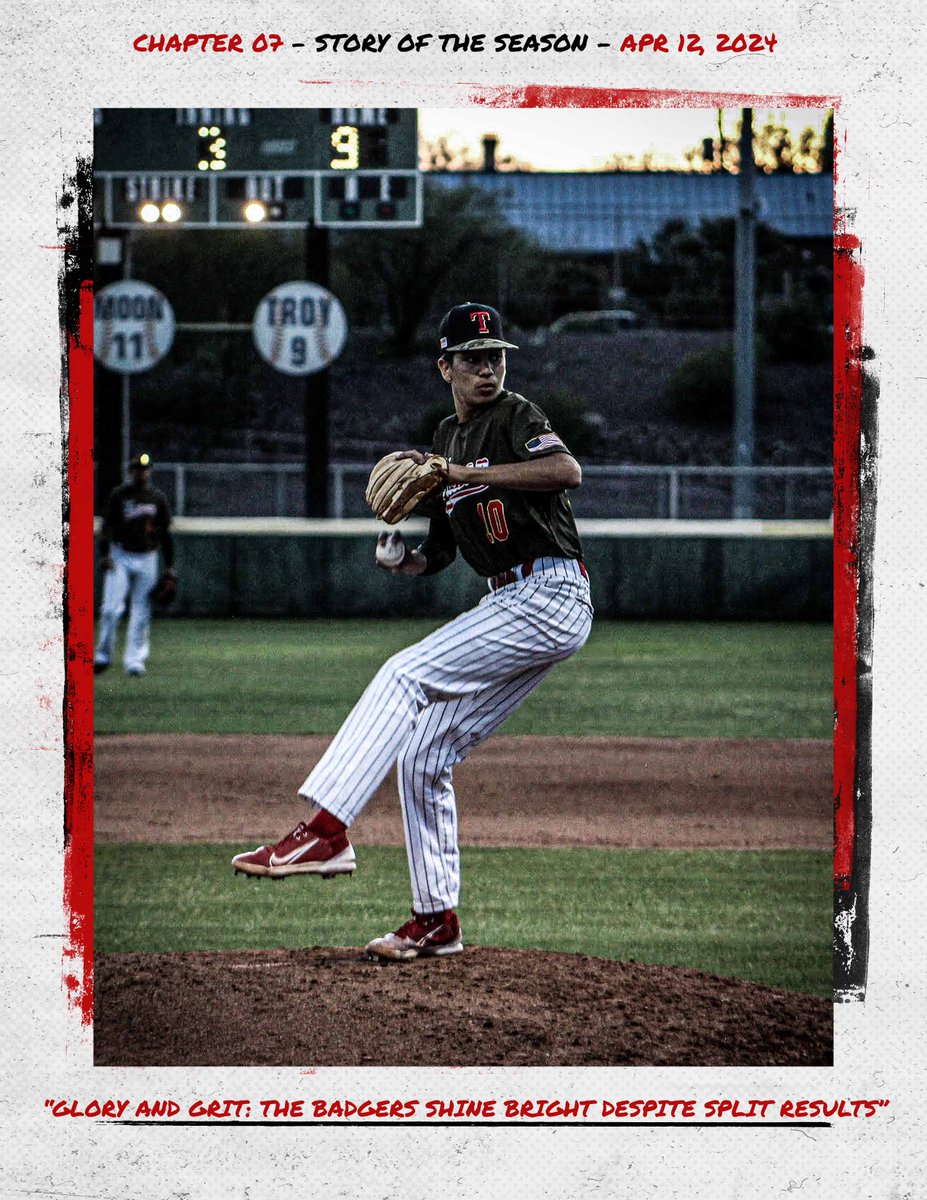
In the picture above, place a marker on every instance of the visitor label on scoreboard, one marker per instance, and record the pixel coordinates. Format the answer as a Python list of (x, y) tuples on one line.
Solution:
[(133, 326), (300, 328)]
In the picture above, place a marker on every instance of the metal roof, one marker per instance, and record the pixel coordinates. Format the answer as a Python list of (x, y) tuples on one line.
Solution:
[(597, 212)]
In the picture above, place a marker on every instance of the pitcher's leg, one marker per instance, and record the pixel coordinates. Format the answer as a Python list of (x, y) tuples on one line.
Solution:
[(444, 735), (487, 644)]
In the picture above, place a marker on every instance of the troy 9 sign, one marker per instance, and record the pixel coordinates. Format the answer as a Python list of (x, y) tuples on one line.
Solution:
[(299, 328)]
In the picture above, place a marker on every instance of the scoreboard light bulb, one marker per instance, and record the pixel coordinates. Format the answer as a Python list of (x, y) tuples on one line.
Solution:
[(217, 165), (202, 165), (203, 131), (255, 212), (149, 213), (171, 212), (214, 131)]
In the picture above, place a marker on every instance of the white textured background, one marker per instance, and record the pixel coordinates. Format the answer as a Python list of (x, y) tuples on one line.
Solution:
[(62, 61)]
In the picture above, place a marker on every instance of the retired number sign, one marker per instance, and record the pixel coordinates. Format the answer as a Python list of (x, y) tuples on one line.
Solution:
[(133, 326), (299, 328)]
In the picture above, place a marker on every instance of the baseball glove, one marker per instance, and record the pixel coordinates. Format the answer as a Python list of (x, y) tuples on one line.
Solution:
[(396, 485), (165, 590)]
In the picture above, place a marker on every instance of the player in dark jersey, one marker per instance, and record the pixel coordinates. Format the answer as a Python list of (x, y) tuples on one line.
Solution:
[(504, 508), (136, 524)]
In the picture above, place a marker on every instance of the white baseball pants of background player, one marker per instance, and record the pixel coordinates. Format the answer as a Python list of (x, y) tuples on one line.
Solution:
[(132, 577), (429, 705)]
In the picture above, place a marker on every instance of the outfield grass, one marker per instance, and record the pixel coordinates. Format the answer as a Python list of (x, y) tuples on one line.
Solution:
[(633, 679), (764, 916)]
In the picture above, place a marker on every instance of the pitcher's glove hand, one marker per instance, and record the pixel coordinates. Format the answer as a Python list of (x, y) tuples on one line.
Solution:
[(401, 480), (165, 590)]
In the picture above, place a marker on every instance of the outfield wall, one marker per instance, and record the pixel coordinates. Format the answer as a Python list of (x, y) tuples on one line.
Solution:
[(264, 567)]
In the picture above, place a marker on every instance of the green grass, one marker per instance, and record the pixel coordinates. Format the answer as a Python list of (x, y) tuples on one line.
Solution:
[(763, 916), (633, 679)]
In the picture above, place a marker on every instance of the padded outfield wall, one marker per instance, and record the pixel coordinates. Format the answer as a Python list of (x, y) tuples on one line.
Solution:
[(745, 570)]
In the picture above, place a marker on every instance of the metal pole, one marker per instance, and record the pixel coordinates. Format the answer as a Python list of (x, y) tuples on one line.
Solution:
[(316, 390), (745, 322), (126, 388), (126, 426)]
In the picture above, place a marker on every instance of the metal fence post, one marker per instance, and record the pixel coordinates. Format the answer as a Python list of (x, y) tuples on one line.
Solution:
[(673, 494), (180, 489), (337, 490)]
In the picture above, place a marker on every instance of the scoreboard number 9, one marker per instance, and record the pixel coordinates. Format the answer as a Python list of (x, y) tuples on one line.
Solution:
[(346, 142)]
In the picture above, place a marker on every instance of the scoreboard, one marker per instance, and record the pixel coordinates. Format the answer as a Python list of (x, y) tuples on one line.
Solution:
[(241, 167)]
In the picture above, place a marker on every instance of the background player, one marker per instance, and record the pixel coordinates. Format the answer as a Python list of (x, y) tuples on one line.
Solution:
[(504, 508), (136, 523)]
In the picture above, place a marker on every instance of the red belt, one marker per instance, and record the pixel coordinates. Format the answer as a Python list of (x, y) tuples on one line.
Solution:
[(522, 571), (512, 575)]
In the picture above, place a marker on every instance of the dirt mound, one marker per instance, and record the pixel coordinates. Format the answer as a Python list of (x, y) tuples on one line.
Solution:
[(485, 1007)]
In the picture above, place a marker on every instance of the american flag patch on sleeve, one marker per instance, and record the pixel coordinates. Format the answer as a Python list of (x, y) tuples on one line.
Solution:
[(546, 441)]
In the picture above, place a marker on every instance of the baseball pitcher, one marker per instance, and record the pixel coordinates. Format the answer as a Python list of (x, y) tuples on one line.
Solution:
[(494, 488)]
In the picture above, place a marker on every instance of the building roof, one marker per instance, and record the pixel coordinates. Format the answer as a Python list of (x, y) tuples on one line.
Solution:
[(599, 212)]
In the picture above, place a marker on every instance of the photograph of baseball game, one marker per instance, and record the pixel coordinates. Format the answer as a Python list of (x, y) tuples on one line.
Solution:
[(463, 586)]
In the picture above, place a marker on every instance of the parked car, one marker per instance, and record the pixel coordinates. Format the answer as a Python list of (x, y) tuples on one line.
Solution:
[(601, 321)]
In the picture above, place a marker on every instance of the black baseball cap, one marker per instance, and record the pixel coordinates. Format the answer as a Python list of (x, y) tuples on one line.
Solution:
[(141, 462), (472, 327)]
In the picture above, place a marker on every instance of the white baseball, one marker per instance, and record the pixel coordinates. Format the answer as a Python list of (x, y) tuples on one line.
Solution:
[(391, 550)]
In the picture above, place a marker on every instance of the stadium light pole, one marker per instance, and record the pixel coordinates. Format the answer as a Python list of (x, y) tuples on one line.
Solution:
[(745, 321), (316, 394)]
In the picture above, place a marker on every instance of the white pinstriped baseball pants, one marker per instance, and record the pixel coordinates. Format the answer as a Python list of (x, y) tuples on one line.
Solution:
[(430, 704)]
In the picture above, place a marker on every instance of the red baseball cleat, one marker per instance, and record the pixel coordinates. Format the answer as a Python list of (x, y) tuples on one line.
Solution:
[(299, 853), (427, 935)]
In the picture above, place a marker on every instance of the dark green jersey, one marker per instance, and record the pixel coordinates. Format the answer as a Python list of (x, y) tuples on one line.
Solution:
[(138, 518), (496, 528)]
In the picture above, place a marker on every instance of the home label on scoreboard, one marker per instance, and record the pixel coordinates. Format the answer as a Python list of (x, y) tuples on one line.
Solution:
[(299, 328)]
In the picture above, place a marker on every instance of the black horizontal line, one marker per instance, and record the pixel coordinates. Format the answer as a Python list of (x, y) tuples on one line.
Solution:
[(374, 1124)]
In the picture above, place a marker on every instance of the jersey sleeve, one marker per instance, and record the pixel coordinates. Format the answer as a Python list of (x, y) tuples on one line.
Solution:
[(112, 516), (440, 546), (532, 435), (432, 505)]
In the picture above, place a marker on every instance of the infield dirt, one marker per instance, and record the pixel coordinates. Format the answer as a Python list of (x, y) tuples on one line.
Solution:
[(488, 1006)]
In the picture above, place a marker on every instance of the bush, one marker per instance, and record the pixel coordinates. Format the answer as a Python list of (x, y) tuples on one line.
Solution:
[(797, 330), (701, 390)]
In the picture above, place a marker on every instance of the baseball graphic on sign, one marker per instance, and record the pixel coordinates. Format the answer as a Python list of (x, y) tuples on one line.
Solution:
[(299, 328), (133, 326)]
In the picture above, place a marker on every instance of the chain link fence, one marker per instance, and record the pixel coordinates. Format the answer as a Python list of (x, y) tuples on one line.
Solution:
[(642, 492)]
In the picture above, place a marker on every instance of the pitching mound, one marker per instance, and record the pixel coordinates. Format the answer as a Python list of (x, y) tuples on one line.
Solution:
[(485, 1007)]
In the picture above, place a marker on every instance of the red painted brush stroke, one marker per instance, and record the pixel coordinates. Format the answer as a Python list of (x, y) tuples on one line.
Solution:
[(540, 96), (848, 389), (78, 700)]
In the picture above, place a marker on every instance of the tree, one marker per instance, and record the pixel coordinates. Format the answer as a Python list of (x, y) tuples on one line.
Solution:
[(775, 150), (685, 275), (451, 152), (464, 248)]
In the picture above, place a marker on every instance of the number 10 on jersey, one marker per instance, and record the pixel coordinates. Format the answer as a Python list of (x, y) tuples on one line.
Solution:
[(493, 517)]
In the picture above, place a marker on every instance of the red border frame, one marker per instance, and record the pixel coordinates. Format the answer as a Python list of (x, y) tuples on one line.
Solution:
[(848, 377)]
